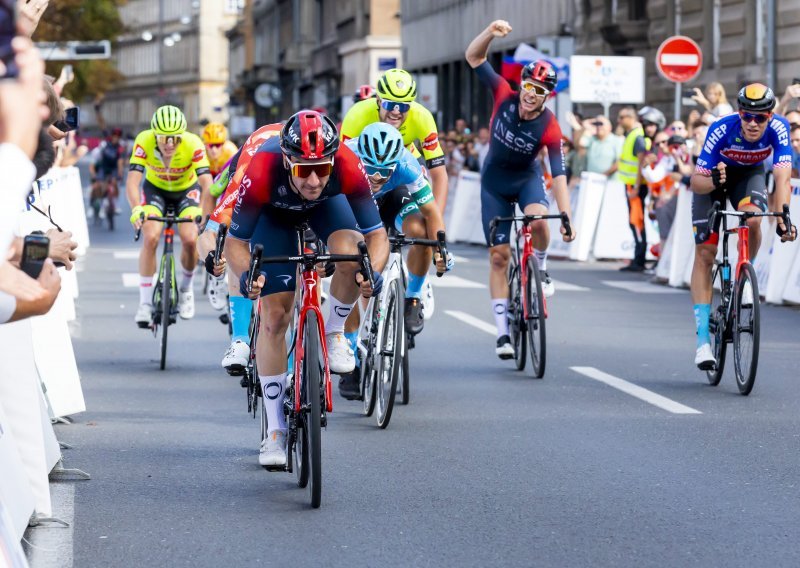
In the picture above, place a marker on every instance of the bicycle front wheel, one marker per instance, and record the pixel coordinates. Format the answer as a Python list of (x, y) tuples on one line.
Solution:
[(311, 402), (536, 320), (389, 361), (746, 331), (516, 319), (405, 393), (367, 370), (166, 306), (717, 324)]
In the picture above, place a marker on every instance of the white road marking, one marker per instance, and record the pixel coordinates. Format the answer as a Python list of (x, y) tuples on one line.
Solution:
[(567, 287), (640, 287), (130, 279), (473, 321), (636, 391), (51, 544), (460, 259), (126, 254), (452, 281)]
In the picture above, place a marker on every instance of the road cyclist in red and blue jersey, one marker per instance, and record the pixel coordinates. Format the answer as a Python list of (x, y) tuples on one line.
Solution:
[(303, 175), (520, 127), (731, 165)]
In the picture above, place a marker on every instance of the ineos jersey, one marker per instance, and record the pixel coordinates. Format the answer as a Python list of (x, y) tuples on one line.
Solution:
[(725, 143), (266, 183), (515, 143)]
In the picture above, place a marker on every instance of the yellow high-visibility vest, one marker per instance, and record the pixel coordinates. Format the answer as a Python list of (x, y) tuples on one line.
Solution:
[(628, 166)]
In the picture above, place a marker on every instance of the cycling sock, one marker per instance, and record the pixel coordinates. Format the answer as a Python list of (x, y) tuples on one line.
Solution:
[(274, 388), (415, 284), (338, 315), (701, 313), (500, 310), (241, 308), (186, 280), (541, 258), (145, 289), (352, 339)]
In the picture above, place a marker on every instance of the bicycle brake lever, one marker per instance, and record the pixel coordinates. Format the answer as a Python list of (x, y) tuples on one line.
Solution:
[(366, 267), (223, 232), (442, 247), (139, 230), (566, 223), (492, 232), (255, 266)]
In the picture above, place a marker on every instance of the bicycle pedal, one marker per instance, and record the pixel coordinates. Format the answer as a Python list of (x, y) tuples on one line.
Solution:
[(275, 467), (235, 370), (224, 319), (144, 324)]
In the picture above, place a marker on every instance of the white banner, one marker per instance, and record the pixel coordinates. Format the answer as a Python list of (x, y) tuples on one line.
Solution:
[(465, 224), (606, 79)]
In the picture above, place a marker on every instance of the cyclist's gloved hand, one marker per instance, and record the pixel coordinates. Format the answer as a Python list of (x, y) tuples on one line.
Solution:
[(135, 214), (215, 270), (258, 284), (718, 176), (781, 230), (378, 284), (448, 263), (363, 284)]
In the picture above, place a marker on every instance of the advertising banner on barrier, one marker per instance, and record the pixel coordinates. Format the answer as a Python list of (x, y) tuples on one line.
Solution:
[(15, 491), (782, 259), (682, 237), (464, 224)]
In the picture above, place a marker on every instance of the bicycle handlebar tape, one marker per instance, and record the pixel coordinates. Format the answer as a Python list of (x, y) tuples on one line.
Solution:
[(366, 267)]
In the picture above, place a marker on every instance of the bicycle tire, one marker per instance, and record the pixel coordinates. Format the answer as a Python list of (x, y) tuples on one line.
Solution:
[(367, 370), (537, 337), (718, 325), (405, 393), (746, 372), (390, 364), (312, 400), (166, 306), (516, 322)]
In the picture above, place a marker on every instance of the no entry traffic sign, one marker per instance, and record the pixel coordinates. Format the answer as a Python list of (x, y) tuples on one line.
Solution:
[(679, 59)]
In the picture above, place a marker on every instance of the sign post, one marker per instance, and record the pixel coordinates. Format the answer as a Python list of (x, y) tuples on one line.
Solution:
[(679, 60)]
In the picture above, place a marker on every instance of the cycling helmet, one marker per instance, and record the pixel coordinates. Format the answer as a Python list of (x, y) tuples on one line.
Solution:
[(116, 131), (540, 72), (168, 119), (309, 135), (380, 145), (364, 92), (397, 85), (653, 116), (214, 133), (756, 97)]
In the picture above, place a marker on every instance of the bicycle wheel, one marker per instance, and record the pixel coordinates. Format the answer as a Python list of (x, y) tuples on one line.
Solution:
[(367, 369), (166, 306), (311, 399), (405, 393), (537, 338), (389, 363), (516, 321), (717, 324), (746, 331)]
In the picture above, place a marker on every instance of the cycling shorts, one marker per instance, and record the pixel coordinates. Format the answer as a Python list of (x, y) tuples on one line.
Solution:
[(276, 231), (186, 202), (395, 206), (500, 189), (743, 186)]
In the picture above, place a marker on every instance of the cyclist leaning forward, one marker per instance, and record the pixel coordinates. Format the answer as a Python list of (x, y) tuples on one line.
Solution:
[(304, 175), (520, 127), (731, 165), (176, 172)]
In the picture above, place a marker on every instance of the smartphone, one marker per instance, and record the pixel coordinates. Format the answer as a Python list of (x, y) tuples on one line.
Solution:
[(688, 94), (8, 30), (796, 81), (35, 249), (71, 120)]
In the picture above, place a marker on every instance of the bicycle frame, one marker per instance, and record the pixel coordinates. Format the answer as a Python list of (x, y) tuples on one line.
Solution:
[(309, 302), (527, 253)]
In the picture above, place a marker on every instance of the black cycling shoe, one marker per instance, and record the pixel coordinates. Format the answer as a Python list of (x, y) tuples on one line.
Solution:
[(504, 350), (633, 267), (415, 321), (350, 385)]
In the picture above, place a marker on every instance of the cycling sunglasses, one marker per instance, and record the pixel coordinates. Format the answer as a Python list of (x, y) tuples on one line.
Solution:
[(395, 106), (757, 118), (378, 173), (168, 139), (322, 169), (215, 146), (529, 86)]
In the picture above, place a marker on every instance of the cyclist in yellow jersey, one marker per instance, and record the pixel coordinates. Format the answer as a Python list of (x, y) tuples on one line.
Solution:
[(175, 168), (219, 148), (396, 105)]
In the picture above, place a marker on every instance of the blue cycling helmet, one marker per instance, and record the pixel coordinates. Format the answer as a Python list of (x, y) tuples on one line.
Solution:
[(380, 145)]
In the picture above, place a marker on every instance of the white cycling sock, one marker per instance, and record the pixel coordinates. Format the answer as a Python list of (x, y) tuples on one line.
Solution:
[(186, 281), (541, 258), (274, 389), (145, 289), (500, 310), (338, 315)]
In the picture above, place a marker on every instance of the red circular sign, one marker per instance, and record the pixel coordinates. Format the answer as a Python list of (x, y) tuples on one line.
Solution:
[(679, 59)]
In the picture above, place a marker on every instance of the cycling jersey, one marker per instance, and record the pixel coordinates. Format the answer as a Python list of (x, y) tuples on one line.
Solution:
[(266, 186), (419, 125), (108, 156), (725, 143), (226, 153), (188, 162), (408, 173)]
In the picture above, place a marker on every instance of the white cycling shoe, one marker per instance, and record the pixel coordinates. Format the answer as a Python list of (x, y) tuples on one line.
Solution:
[(218, 292), (340, 357), (747, 294), (236, 356), (548, 286), (704, 358), (186, 304), (427, 300), (144, 315), (273, 450)]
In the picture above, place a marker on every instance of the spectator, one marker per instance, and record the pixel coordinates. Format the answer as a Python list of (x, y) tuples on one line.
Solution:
[(714, 101), (462, 130), (471, 158), (795, 138), (454, 159), (482, 144), (575, 160), (793, 117), (604, 148), (657, 167), (699, 131), (788, 100)]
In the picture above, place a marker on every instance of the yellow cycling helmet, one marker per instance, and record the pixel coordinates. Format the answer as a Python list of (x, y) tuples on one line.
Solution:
[(397, 85), (214, 133), (168, 120)]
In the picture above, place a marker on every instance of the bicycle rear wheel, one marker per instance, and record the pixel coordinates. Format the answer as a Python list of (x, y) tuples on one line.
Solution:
[(717, 324), (389, 362), (536, 321), (166, 306), (516, 320), (367, 370), (311, 401), (746, 331)]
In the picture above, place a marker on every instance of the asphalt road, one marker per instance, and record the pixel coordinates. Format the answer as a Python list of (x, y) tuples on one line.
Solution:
[(486, 465)]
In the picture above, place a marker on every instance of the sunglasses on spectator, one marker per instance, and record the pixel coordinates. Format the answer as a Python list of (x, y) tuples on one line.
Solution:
[(380, 173), (168, 139), (393, 106), (304, 170), (597, 123), (529, 86), (748, 117), (661, 143), (215, 146)]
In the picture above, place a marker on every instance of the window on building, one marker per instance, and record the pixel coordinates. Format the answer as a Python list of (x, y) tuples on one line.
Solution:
[(761, 31), (637, 10), (234, 6), (716, 34)]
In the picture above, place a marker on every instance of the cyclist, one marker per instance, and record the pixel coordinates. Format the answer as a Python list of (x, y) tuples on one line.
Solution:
[(175, 169), (235, 359), (363, 93), (405, 203), (731, 165), (107, 168), (521, 126), (396, 105), (302, 175)]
